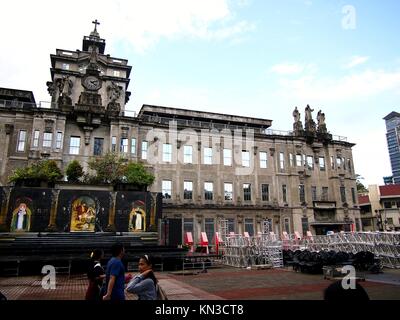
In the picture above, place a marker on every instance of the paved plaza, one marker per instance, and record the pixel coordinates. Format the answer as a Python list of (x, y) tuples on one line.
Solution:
[(215, 284)]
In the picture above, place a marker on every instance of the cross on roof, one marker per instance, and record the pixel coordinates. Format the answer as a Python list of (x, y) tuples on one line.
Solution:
[(95, 22)]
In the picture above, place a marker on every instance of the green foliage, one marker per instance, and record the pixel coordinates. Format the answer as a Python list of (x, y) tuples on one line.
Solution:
[(74, 171), (360, 186), (109, 169), (46, 170), (136, 173), (113, 169)]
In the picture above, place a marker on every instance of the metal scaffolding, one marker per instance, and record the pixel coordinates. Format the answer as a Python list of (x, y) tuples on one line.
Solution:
[(266, 247), (261, 250)]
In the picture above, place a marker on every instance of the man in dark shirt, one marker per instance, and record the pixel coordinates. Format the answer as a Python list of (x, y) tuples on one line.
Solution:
[(115, 275)]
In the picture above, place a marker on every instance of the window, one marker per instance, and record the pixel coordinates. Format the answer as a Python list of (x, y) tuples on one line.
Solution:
[(387, 205), (322, 163), (227, 157), (349, 165), (343, 194), (281, 160), (74, 145), (167, 152), (291, 159), (314, 193), (265, 192), (21, 140), (304, 225), (124, 145), (338, 162), (228, 191), (59, 140), (284, 193), (116, 73), (113, 144), (187, 154), (324, 196), (188, 225), (246, 159), (36, 138), (133, 146), (357, 222), (344, 163), (208, 190), (263, 160), (209, 229), (310, 162), (249, 226), (98, 146), (353, 195), (187, 190), (268, 225), (167, 189), (144, 150), (231, 225), (47, 139), (302, 196), (247, 192), (390, 221), (299, 160), (287, 225), (65, 66), (207, 155)]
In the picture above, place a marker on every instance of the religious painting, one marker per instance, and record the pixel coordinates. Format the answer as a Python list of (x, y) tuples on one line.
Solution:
[(21, 217), (137, 216), (83, 215)]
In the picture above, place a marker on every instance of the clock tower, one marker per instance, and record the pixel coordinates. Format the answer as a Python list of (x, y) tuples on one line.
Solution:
[(89, 85)]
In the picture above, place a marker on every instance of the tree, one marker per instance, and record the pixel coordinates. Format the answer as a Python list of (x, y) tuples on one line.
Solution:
[(74, 171), (360, 186), (137, 174), (46, 170), (109, 169)]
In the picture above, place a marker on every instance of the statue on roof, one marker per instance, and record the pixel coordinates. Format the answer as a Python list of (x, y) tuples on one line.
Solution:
[(309, 122), (64, 86), (297, 124), (321, 122)]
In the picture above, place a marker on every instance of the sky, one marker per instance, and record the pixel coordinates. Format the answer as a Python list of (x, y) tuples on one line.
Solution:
[(255, 58)]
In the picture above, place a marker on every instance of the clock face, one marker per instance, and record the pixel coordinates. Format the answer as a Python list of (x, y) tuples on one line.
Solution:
[(92, 83)]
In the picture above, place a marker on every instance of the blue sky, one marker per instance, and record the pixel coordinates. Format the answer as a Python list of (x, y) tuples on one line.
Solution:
[(247, 57)]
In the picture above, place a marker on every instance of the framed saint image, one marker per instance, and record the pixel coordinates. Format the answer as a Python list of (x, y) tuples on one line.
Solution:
[(83, 214)]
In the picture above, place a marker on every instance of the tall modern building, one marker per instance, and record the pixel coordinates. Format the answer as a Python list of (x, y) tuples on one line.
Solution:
[(393, 139), (208, 166)]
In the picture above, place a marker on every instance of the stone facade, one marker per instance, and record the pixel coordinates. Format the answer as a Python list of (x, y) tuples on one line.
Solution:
[(315, 169)]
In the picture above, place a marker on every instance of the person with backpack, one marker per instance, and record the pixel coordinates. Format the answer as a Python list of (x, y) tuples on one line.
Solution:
[(95, 275), (144, 284)]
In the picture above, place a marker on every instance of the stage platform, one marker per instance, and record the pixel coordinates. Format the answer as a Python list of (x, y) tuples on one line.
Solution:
[(26, 253)]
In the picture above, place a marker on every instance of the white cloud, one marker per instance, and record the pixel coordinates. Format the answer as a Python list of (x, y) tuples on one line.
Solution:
[(135, 24), (359, 85), (287, 68), (355, 61)]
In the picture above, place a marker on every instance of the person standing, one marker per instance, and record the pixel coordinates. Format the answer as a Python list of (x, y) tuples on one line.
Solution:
[(115, 275), (96, 276), (145, 283)]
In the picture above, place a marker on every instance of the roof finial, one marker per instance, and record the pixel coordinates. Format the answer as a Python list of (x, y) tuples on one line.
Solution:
[(95, 25)]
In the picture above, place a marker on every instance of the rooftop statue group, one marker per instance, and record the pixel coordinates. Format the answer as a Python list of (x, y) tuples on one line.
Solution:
[(309, 125)]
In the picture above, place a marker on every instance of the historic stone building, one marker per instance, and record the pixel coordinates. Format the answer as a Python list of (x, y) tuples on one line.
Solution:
[(209, 166)]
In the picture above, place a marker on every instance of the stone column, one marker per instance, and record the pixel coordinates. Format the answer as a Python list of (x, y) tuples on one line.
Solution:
[(4, 208), (53, 210), (111, 215)]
